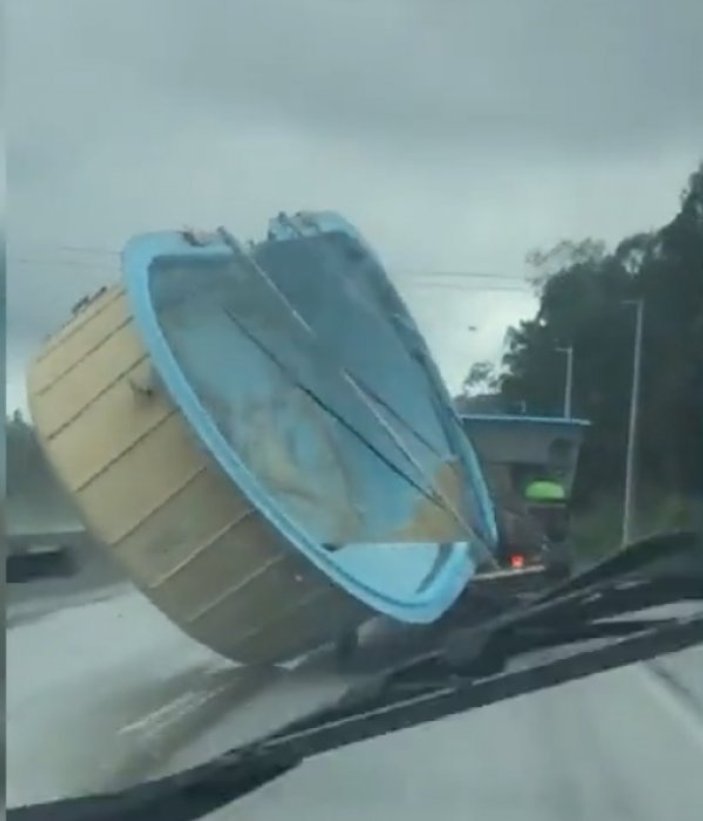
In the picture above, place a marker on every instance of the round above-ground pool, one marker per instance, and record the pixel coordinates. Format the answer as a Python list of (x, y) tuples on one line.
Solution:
[(278, 458)]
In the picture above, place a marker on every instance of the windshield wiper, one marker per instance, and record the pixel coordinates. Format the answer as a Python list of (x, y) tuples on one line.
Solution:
[(597, 620)]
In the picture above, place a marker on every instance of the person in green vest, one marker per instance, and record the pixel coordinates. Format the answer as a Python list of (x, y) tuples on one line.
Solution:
[(544, 491), (548, 500)]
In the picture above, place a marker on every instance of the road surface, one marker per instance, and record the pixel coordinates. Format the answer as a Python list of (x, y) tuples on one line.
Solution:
[(103, 691)]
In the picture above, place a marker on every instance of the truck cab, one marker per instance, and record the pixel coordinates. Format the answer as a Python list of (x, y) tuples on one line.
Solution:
[(529, 463)]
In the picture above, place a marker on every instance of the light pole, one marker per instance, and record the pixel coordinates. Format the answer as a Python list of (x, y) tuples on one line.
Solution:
[(628, 508), (569, 386)]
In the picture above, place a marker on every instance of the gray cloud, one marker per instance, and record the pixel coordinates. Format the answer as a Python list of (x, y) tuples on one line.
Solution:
[(455, 134)]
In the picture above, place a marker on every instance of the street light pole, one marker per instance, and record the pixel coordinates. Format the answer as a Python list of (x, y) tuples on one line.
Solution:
[(569, 386), (628, 509)]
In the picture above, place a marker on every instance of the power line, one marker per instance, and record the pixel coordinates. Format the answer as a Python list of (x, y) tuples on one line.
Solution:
[(73, 249), (83, 249), (441, 286), (462, 275), (49, 263), (425, 279), (102, 267), (453, 274)]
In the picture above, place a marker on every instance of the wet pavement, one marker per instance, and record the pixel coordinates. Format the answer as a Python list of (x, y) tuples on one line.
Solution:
[(103, 691)]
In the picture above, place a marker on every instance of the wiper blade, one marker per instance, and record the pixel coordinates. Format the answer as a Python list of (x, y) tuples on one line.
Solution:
[(181, 797), (465, 671)]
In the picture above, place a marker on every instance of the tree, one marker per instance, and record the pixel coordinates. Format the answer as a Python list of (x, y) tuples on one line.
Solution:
[(582, 290), (481, 378)]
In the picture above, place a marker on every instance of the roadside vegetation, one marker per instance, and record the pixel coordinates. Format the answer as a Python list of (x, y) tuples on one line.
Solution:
[(584, 291)]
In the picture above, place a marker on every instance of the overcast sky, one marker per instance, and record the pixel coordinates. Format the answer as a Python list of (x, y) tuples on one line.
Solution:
[(456, 135)]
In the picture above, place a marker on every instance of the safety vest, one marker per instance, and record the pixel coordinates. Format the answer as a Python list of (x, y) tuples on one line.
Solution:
[(543, 490)]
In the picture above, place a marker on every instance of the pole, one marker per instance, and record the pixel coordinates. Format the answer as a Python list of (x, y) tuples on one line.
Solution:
[(569, 382), (628, 509)]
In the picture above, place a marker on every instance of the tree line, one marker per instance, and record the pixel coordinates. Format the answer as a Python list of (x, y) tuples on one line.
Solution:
[(586, 302)]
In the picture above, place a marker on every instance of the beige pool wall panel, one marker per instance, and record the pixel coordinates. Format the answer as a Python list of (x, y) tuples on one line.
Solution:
[(152, 496)]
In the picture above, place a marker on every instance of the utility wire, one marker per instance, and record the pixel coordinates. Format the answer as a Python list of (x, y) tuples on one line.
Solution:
[(48, 263), (459, 275), (406, 273), (414, 282), (441, 286)]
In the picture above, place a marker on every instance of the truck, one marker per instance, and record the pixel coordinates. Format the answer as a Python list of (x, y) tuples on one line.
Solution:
[(530, 464)]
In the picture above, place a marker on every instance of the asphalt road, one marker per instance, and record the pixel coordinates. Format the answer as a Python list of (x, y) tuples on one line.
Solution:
[(619, 746), (103, 692)]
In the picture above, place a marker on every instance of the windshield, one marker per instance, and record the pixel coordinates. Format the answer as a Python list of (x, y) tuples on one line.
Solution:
[(444, 357)]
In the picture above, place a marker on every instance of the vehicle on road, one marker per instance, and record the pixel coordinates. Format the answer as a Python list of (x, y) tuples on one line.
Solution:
[(35, 556), (530, 464)]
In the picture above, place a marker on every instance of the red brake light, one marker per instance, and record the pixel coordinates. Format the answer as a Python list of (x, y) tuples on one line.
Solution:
[(517, 560)]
